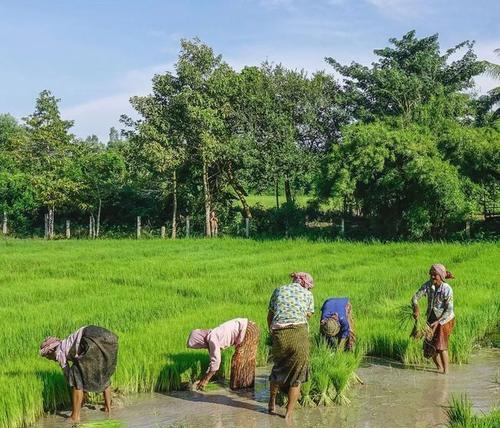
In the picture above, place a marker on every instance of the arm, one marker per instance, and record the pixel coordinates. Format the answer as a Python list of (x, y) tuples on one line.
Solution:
[(271, 309), (270, 315), (310, 309), (422, 291), (215, 360)]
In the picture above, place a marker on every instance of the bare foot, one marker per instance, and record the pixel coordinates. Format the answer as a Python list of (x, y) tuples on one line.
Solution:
[(271, 407), (289, 418)]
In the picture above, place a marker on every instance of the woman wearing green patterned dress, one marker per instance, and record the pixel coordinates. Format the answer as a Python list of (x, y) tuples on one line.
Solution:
[(289, 310)]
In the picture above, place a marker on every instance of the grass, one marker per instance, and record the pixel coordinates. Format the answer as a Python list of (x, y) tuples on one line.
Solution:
[(460, 415), (152, 293)]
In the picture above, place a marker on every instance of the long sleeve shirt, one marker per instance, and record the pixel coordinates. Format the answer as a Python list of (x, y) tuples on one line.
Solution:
[(230, 333), (439, 301), (337, 305), (68, 348)]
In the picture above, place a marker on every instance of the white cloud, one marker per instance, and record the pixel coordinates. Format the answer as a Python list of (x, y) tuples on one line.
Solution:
[(98, 115), (402, 9)]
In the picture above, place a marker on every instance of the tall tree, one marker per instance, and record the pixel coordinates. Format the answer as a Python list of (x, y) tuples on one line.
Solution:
[(51, 161)]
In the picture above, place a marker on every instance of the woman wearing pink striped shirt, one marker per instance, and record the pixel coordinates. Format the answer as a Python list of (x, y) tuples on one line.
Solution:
[(241, 333)]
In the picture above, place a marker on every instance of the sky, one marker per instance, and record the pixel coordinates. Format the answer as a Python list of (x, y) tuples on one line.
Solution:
[(95, 54)]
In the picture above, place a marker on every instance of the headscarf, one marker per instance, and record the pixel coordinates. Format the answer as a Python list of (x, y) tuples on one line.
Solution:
[(197, 339), (441, 271), (303, 278), (49, 345)]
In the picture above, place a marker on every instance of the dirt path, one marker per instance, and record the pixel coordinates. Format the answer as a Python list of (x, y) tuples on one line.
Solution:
[(390, 397)]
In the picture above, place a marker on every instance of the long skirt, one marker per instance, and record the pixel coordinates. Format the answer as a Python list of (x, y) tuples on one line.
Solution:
[(440, 339), (96, 362), (244, 359), (290, 353)]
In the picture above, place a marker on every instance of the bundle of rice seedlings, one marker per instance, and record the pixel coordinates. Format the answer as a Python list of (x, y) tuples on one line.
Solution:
[(322, 380), (306, 398), (405, 316)]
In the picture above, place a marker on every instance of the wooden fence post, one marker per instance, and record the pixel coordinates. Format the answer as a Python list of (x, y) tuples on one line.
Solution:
[(342, 226), (4, 223), (138, 229), (188, 226), (247, 227), (467, 229), (162, 232), (68, 229), (91, 227)]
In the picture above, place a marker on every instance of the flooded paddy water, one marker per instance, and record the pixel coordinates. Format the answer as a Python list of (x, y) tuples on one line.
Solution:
[(392, 396)]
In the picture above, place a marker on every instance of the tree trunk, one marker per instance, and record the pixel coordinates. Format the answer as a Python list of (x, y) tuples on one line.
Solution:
[(206, 192), (288, 191), (98, 225), (174, 210), (240, 192), (277, 193)]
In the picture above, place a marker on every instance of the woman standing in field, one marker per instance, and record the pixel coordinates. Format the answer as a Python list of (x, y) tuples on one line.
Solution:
[(92, 352), (440, 315), (289, 310), (241, 333)]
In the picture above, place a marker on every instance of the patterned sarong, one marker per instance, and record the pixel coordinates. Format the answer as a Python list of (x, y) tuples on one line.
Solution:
[(290, 353), (244, 359), (439, 341), (96, 361)]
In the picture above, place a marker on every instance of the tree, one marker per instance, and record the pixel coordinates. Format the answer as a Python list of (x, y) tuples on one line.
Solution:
[(406, 76), (50, 162)]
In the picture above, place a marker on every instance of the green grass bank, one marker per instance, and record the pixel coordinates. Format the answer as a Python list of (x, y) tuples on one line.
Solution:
[(152, 293)]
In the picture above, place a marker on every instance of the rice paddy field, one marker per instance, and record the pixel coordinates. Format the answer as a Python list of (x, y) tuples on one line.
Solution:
[(152, 293)]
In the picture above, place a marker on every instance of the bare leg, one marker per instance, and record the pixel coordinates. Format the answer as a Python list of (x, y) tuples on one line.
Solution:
[(107, 399), (272, 397), (444, 361), (293, 397), (437, 360), (76, 401)]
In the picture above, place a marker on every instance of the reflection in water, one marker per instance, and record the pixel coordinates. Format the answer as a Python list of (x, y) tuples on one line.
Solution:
[(392, 396)]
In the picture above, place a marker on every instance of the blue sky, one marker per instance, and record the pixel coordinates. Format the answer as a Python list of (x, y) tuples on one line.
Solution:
[(94, 54)]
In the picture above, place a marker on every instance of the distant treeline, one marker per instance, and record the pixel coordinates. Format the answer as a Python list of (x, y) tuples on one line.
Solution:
[(401, 145)]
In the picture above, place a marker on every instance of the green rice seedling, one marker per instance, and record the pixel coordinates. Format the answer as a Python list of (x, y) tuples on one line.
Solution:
[(459, 411), (460, 415), (306, 399)]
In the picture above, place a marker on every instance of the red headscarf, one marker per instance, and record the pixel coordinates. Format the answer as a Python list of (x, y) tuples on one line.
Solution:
[(303, 278)]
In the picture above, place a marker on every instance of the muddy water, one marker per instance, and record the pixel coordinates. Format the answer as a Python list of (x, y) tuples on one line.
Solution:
[(392, 396)]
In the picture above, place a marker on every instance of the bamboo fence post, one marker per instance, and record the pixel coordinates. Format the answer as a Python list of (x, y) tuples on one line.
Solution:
[(162, 232), (342, 226), (247, 227), (68, 229), (467, 229), (188, 225), (138, 228)]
